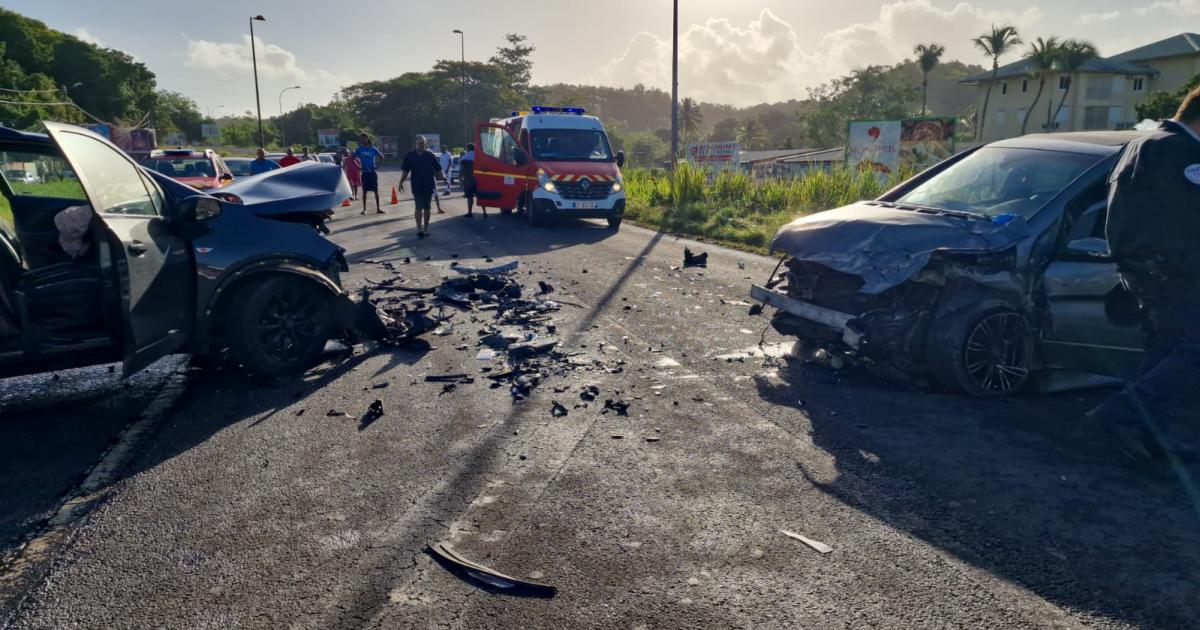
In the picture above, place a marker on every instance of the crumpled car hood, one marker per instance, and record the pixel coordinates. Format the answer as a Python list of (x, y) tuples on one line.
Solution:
[(305, 187), (886, 246)]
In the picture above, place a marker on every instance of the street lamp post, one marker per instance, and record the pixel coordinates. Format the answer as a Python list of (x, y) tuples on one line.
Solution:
[(282, 138), (675, 88), (262, 138), (462, 38), (213, 108)]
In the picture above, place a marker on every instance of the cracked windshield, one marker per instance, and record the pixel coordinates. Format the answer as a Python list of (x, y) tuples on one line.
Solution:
[(643, 315)]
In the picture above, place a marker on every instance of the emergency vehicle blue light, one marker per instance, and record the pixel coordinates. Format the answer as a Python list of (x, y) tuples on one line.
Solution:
[(540, 109)]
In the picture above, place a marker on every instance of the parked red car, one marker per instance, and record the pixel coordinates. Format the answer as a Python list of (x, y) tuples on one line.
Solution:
[(202, 170)]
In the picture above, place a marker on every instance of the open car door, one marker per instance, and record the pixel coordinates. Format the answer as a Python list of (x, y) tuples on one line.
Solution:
[(502, 170), (157, 276)]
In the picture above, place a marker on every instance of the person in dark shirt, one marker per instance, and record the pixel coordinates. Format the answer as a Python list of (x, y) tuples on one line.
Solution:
[(424, 168), (466, 175), (1154, 235), (369, 158)]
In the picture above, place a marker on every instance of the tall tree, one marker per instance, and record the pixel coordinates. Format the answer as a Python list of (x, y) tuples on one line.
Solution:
[(1042, 56), (1072, 54), (691, 119), (752, 134), (928, 56), (1000, 41), (514, 60)]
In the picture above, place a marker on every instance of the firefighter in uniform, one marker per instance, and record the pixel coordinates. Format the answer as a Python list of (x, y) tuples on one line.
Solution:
[(1154, 235)]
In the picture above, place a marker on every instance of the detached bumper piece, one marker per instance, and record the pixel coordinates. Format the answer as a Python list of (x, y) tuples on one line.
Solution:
[(835, 321), (497, 581)]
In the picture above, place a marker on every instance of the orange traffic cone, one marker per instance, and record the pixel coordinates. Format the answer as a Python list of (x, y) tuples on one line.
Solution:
[(395, 197), (346, 203)]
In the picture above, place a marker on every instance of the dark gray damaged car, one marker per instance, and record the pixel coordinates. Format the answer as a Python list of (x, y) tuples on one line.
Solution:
[(156, 267), (985, 273)]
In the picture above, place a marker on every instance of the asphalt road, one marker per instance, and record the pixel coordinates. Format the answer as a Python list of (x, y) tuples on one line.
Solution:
[(254, 508)]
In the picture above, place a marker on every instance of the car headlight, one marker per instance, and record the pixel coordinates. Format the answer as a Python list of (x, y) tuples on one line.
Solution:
[(544, 181), (616, 187)]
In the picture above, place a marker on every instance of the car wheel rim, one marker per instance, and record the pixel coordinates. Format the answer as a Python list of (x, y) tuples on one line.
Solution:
[(289, 326), (997, 354)]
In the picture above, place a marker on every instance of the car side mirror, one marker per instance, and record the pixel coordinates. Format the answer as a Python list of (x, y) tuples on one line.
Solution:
[(1091, 247), (519, 157), (620, 159), (227, 177), (199, 208)]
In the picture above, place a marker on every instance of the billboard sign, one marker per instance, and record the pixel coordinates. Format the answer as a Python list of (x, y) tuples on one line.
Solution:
[(327, 137), (208, 131), (874, 145), (886, 146), (714, 156), (433, 141), (389, 145)]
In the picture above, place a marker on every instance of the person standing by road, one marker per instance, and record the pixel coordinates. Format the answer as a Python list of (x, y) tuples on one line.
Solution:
[(289, 159), (305, 156), (260, 164), (466, 175), (1154, 236), (353, 169), (369, 158), (445, 160), (424, 168)]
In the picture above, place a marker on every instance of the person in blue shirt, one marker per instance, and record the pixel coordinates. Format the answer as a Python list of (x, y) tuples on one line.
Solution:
[(260, 164), (370, 158)]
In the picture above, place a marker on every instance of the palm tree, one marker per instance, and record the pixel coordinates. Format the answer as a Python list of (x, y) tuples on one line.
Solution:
[(752, 134), (691, 119), (1072, 54), (928, 57), (1042, 56), (999, 42)]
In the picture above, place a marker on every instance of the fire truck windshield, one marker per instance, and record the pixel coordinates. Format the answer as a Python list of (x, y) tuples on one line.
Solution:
[(571, 145)]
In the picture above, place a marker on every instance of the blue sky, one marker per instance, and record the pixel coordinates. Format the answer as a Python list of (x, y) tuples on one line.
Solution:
[(735, 52)]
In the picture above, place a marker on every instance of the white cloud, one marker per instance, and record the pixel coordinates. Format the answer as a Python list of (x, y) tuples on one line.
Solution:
[(234, 58), (1095, 18), (82, 33), (766, 61), (1184, 8)]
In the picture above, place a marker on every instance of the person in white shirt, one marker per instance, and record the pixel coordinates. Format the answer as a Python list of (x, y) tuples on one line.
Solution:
[(445, 161)]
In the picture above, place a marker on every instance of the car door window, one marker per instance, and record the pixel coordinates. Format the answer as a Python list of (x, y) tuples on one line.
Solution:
[(497, 143), (117, 184)]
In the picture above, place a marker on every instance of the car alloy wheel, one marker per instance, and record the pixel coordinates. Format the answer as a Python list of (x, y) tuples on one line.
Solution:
[(291, 323), (996, 356)]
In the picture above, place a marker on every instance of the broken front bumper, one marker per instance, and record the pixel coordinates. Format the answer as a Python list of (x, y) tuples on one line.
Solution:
[(836, 321)]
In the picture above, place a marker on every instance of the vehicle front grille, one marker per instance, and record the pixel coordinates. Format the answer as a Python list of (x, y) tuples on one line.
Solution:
[(576, 190)]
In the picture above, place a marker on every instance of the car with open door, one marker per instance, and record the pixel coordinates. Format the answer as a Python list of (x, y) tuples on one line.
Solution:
[(105, 260), (987, 273)]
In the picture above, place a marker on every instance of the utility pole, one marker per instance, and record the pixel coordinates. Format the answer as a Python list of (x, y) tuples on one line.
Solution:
[(262, 138), (462, 37), (675, 88)]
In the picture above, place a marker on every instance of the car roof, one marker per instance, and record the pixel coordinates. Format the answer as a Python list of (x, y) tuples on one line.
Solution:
[(239, 159), (178, 153), (1088, 142)]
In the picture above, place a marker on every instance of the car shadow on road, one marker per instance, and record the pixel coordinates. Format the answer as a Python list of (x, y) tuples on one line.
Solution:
[(491, 238), (1018, 487)]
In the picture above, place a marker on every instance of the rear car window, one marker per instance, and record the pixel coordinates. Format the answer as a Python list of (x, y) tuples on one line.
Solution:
[(181, 166)]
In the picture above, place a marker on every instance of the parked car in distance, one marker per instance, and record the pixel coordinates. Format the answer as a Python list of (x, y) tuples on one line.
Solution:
[(202, 170), (326, 158), (159, 268), (239, 166), (984, 273)]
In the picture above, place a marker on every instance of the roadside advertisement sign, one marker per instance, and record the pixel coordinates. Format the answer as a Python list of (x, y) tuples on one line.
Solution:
[(433, 141), (886, 146), (327, 137), (714, 156), (208, 131), (926, 141), (389, 145), (874, 145)]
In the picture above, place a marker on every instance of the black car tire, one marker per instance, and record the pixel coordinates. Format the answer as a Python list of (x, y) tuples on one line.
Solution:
[(506, 210), (614, 222), (280, 325), (533, 215), (984, 350)]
